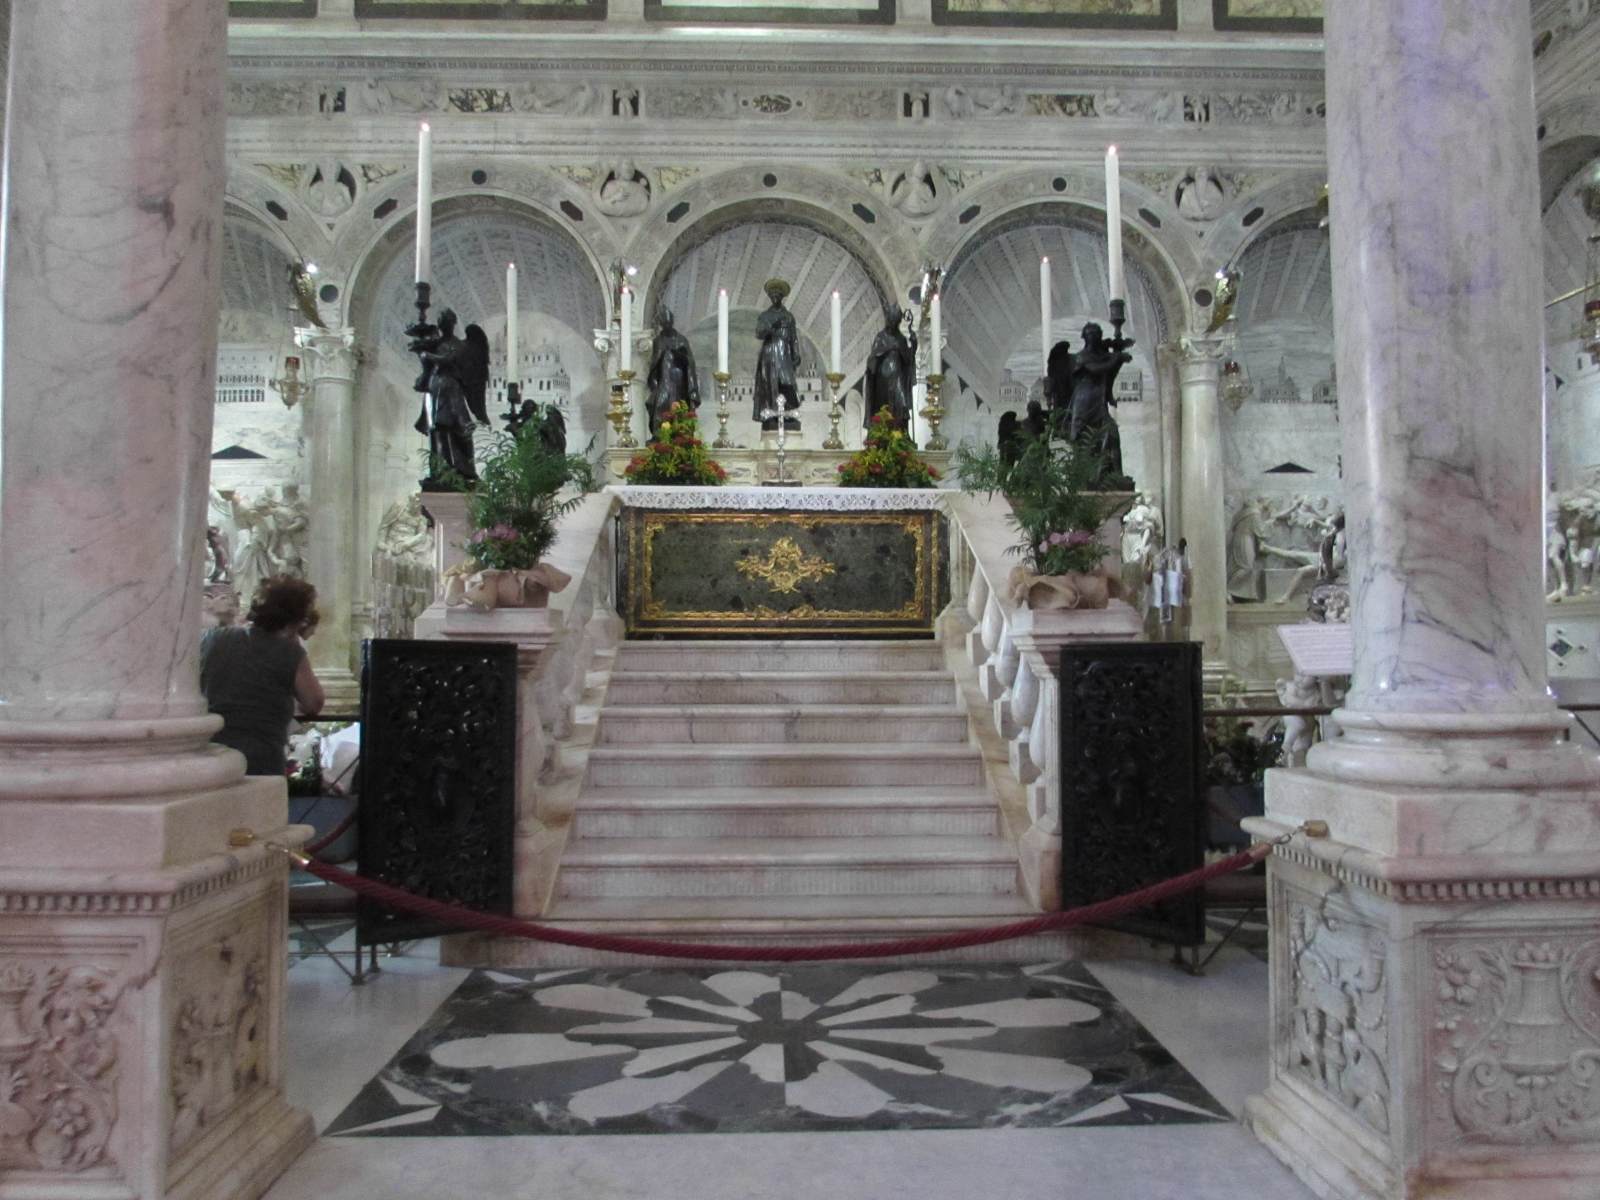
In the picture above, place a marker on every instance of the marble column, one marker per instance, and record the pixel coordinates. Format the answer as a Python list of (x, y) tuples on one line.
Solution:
[(1204, 520), (332, 556), (141, 956), (1435, 1008)]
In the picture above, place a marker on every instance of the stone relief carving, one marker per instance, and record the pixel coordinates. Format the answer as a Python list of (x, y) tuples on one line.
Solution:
[(1201, 194), (1337, 1026), (58, 1066), (695, 104), (1294, 532), (1572, 542), (555, 99), (624, 190), (402, 568), (271, 534), (409, 95), (914, 191), (961, 104), (219, 1038), (270, 98), (329, 188), (1514, 1043)]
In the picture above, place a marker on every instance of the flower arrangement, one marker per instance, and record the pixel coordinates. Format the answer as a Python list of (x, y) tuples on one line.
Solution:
[(677, 455), (889, 459), (1052, 506), (515, 504)]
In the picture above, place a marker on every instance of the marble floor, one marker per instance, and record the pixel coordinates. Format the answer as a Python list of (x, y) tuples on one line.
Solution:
[(1106, 1081)]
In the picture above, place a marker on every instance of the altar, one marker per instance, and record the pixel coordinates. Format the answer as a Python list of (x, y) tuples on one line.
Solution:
[(785, 562)]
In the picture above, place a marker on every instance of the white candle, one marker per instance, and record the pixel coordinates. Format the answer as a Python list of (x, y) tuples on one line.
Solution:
[(1114, 222), (627, 329), (424, 203), (513, 371), (836, 327), (935, 351), (1044, 315), (722, 331)]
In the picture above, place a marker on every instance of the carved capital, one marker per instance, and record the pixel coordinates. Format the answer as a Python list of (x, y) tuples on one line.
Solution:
[(331, 355)]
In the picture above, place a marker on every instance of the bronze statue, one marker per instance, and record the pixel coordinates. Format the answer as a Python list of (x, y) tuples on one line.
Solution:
[(775, 367), (672, 374), (891, 371), (455, 376), (1091, 399)]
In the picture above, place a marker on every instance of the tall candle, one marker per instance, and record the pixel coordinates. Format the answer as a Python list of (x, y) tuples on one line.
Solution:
[(424, 203), (935, 350), (722, 331), (513, 368), (1044, 315), (836, 327), (1114, 222), (627, 329)]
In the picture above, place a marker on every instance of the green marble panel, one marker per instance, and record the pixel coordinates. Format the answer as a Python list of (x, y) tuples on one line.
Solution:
[(705, 573), (272, 8)]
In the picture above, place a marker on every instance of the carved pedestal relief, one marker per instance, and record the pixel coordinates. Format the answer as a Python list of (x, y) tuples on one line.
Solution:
[(1334, 1034), (58, 1065), (1514, 1041)]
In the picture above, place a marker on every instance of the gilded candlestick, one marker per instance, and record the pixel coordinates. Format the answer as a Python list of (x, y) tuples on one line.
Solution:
[(722, 442), (835, 411), (933, 413), (620, 412)]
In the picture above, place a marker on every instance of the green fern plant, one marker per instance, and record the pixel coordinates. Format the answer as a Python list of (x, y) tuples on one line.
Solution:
[(1056, 514), (522, 490)]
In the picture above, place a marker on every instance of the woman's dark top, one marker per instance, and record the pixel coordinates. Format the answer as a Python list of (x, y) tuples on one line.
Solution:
[(248, 679)]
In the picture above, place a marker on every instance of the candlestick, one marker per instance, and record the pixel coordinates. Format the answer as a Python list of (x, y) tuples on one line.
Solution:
[(933, 413), (1114, 223), (722, 330), (835, 409), (627, 330), (513, 371), (836, 327), (620, 414), (424, 203), (935, 351), (722, 377), (1044, 315)]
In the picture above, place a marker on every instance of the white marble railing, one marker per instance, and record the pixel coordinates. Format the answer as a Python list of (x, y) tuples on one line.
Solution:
[(1014, 651)]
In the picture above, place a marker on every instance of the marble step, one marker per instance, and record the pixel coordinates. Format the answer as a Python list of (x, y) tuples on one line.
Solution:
[(632, 725), (779, 687), (766, 764), (784, 813), (781, 656), (747, 868)]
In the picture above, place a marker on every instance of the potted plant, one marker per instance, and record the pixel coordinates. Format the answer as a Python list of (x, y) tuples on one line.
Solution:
[(677, 456), (1056, 515), (889, 459), (523, 489)]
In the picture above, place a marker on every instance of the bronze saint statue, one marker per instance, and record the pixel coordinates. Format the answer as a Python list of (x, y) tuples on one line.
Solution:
[(672, 376), (775, 367), (1091, 399), (455, 376), (891, 371)]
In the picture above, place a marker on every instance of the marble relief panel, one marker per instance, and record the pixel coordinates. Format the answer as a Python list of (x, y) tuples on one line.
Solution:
[(1268, 15), (495, 10), (813, 12), (1160, 14)]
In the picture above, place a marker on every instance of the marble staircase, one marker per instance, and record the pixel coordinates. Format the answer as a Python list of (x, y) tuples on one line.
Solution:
[(787, 792)]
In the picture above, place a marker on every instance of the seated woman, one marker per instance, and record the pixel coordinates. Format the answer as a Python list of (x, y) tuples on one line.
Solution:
[(253, 674)]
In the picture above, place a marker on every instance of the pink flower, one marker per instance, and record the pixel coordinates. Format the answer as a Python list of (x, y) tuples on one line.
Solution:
[(1078, 537)]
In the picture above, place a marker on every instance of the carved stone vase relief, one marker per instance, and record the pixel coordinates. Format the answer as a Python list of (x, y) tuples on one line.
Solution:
[(219, 1033)]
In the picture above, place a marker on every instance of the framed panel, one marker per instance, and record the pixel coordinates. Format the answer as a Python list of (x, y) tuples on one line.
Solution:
[(773, 12), (438, 777), (1097, 14), (1268, 16), (485, 10), (1132, 812), (272, 8)]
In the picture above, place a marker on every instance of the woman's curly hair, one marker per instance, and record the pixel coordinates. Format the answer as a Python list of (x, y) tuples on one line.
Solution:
[(284, 602)]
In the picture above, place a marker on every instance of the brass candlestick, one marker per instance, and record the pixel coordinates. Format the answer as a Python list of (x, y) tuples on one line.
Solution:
[(722, 442), (833, 440), (620, 412), (933, 413)]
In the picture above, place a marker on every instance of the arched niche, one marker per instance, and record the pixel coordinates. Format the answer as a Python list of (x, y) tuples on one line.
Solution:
[(995, 356), (1281, 446)]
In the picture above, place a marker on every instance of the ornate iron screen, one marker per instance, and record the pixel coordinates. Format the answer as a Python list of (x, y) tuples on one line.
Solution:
[(438, 786), (1131, 804)]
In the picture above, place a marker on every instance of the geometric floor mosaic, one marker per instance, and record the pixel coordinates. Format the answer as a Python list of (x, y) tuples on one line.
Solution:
[(814, 1048)]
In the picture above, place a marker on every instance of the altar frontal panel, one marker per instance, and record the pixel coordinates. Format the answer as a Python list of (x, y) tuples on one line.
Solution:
[(704, 573)]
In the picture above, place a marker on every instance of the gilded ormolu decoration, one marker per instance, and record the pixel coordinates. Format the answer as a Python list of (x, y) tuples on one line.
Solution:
[(706, 572), (785, 567)]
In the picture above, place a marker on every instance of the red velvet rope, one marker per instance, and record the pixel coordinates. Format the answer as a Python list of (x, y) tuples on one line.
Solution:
[(328, 839), (466, 918)]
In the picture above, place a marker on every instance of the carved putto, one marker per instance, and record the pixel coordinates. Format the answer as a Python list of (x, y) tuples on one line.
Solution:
[(624, 190)]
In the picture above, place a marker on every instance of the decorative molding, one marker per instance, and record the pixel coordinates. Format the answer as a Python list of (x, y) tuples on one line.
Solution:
[(134, 898), (1476, 890), (798, 500)]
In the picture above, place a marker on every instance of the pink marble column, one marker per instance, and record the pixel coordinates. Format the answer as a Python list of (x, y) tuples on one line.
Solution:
[(114, 180)]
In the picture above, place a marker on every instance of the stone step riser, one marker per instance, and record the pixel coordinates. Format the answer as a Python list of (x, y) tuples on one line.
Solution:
[(821, 690), (583, 880), (816, 771), (680, 727), (732, 656), (791, 823)]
